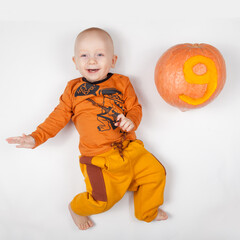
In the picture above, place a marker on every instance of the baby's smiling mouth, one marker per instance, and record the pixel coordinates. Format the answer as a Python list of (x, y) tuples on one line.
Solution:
[(92, 70)]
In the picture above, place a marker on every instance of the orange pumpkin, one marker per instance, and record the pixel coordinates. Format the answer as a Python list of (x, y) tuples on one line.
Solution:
[(190, 76)]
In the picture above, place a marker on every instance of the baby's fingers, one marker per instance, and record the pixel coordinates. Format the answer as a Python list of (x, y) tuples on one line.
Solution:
[(22, 142), (124, 125), (14, 140), (120, 117), (130, 127), (24, 146)]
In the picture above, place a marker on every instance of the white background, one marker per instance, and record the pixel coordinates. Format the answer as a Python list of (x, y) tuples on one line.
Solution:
[(199, 148)]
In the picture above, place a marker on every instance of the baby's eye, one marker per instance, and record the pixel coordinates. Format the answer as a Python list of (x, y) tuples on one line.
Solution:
[(83, 55), (100, 55)]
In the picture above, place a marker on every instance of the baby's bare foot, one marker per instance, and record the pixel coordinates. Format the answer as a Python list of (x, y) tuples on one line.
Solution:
[(82, 222), (161, 215)]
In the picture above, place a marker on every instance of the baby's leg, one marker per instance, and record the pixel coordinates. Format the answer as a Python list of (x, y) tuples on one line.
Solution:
[(86, 204), (82, 222), (104, 188), (148, 185)]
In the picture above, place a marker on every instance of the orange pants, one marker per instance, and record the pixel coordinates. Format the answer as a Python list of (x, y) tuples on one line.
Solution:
[(109, 175)]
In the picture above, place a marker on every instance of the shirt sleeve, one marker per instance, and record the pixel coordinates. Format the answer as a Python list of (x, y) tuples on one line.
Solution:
[(133, 108), (57, 120)]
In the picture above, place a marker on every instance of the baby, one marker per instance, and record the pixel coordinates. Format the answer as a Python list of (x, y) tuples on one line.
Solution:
[(106, 113)]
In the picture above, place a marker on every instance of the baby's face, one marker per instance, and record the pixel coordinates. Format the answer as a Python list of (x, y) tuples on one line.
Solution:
[(94, 56)]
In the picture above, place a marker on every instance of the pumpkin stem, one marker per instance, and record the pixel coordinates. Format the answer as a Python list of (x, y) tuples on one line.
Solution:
[(195, 45)]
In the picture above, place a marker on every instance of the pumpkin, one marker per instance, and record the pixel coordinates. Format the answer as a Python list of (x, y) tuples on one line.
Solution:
[(190, 76)]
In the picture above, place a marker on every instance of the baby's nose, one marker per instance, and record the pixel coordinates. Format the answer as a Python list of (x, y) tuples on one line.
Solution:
[(92, 60)]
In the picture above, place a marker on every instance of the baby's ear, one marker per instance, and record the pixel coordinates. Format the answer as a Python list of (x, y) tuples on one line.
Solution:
[(114, 60), (73, 58)]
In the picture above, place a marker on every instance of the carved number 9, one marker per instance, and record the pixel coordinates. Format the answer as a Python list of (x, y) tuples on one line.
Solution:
[(209, 77)]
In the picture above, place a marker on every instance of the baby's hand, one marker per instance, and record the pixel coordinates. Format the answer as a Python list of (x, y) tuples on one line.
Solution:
[(25, 141), (124, 123)]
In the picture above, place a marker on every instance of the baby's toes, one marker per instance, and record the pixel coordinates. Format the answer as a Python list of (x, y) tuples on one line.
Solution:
[(86, 226), (81, 226), (90, 223)]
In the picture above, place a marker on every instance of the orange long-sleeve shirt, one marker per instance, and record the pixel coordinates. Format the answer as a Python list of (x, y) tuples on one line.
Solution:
[(93, 107)]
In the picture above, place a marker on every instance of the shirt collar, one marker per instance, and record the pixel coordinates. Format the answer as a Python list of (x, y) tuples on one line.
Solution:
[(100, 81)]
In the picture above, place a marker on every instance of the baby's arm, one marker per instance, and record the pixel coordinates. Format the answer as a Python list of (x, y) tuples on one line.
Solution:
[(50, 127), (26, 141), (133, 109)]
